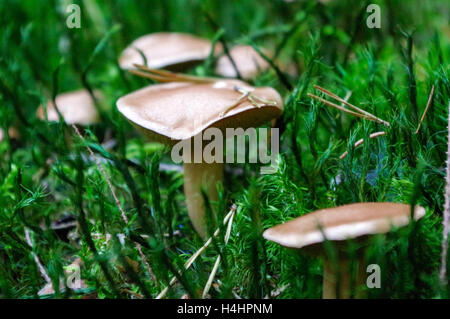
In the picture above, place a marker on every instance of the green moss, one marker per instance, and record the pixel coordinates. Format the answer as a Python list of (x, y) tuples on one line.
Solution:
[(43, 177)]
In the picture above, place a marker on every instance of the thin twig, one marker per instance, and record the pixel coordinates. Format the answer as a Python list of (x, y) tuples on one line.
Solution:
[(116, 199), (430, 98), (359, 142), (36, 258), (344, 101), (191, 260)]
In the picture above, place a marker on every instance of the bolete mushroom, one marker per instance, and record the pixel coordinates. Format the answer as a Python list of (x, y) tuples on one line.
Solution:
[(248, 62), (181, 111), (339, 224), (76, 107), (172, 51)]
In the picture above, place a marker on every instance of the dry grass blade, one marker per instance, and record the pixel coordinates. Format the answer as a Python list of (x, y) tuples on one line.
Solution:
[(208, 242), (259, 101), (156, 71), (239, 101), (217, 263), (347, 97), (430, 98), (191, 260), (211, 277), (167, 76), (153, 76), (360, 141), (343, 101), (230, 223), (36, 258), (254, 99)]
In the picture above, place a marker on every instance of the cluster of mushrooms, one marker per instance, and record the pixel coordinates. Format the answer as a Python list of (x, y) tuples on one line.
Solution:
[(180, 110), (185, 106)]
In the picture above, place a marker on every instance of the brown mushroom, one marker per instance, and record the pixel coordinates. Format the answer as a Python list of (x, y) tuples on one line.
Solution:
[(13, 133), (173, 51), (76, 107), (248, 62), (181, 111), (339, 224)]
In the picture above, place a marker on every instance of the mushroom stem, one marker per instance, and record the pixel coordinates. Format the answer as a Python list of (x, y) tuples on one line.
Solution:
[(337, 279), (196, 177)]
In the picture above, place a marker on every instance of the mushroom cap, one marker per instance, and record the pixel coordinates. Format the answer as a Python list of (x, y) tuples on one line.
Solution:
[(166, 49), (176, 111), (12, 132), (342, 223), (76, 107), (247, 60)]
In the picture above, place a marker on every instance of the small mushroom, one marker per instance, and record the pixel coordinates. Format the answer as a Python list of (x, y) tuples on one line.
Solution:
[(12, 132), (76, 107), (339, 224), (248, 62), (179, 111), (173, 51)]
